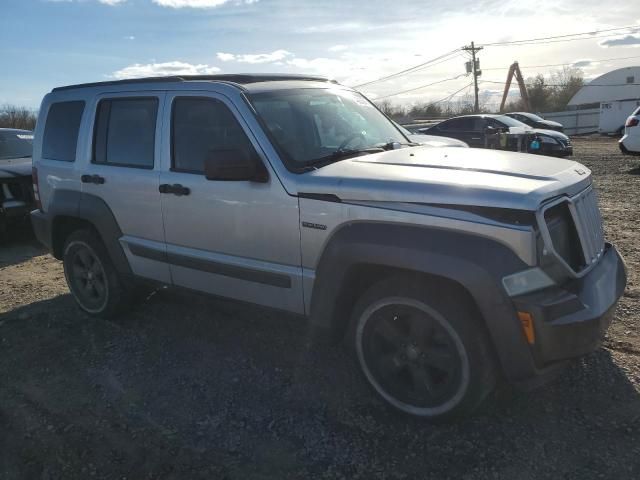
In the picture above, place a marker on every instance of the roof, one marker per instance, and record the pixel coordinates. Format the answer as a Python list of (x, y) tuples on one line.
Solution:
[(611, 86), (239, 79), (14, 130)]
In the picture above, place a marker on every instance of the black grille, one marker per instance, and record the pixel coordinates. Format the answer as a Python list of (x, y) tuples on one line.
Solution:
[(564, 236)]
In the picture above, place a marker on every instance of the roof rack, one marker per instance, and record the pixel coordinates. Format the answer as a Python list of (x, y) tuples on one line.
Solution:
[(239, 78)]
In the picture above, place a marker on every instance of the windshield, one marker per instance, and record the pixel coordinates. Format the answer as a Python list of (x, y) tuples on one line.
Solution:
[(309, 125), (511, 122), (15, 144)]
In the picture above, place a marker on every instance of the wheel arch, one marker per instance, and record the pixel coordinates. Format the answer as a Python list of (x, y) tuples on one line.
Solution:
[(359, 255), (70, 211)]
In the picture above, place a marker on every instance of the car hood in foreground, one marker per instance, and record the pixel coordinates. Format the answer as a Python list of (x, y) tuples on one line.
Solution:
[(456, 176), (15, 167)]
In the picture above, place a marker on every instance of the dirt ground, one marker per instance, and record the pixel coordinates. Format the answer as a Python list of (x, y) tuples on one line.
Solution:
[(186, 387)]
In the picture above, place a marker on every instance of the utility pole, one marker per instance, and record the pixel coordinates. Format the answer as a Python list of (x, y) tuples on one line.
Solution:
[(475, 67)]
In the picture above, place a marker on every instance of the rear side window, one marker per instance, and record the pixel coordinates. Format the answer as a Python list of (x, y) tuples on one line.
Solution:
[(61, 131), (458, 124), (202, 125), (125, 132)]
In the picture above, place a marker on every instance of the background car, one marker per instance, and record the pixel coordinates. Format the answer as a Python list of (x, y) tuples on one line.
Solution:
[(473, 129), (16, 189), (432, 140), (536, 121), (630, 142)]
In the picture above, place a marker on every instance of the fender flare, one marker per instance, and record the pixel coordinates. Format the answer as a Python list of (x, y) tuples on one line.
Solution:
[(94, 210), (476, 263)]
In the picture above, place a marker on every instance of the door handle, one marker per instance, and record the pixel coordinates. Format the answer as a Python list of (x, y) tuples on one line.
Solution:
[(175, 189), (97, 179)]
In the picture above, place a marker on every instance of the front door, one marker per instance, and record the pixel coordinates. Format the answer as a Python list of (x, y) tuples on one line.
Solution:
[(238, 239)]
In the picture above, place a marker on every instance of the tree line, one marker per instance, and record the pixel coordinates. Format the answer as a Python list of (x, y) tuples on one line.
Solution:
[(545, 95), (13, 116)]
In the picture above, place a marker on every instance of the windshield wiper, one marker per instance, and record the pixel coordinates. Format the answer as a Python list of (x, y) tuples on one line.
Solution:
[(395, 145), (341, 154)]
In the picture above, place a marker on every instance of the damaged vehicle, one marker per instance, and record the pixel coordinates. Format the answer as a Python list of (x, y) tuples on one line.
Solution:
[(442, 269), (16, 193)]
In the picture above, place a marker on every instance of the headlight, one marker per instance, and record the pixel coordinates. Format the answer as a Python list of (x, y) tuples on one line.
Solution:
[(526, 281), (550, 140)]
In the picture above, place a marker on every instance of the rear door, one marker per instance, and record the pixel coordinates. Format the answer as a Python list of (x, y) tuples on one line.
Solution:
[(123, 170), (463, 128), (237, 239)]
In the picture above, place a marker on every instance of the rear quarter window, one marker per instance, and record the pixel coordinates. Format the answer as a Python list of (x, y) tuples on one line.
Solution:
[(61, 129), (125, 132)]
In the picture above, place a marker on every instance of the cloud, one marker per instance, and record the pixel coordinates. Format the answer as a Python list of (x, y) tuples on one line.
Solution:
[(337, 48), (335, 27), (197, 3), (582, 63), (104, 2), (275, 56), (225, 57), (138, 70), (624, 41), (130, 37)]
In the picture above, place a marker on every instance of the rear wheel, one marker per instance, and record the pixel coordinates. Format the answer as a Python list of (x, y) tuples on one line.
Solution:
[(91, 276), (420, 350)]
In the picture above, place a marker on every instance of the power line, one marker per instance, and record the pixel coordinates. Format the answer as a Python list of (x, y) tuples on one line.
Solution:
[(408, 70), (633, 28), (558, 85), (449, 97), (564, 64), (421, 87)]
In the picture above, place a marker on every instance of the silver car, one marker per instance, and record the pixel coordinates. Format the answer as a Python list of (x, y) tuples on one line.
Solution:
[(442, 268)]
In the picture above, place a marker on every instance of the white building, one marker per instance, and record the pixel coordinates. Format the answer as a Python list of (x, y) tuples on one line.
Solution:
[(603, 104)]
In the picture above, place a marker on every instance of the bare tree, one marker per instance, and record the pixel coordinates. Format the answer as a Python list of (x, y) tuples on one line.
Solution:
[(12, 116)]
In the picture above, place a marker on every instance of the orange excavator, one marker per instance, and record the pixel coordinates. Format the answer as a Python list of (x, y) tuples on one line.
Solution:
[(514, 70)]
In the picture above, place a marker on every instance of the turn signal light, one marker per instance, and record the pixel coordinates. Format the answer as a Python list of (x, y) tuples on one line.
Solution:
[(526, 320)]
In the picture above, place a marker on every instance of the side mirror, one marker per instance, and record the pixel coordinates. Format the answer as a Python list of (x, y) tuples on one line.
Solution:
[(234, 165)]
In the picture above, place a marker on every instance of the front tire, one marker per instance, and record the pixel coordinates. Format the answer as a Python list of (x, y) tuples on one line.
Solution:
[(91, 276), (421, 349)]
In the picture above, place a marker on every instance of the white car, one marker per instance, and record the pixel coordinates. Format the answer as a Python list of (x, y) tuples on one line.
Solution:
[(630, 142)]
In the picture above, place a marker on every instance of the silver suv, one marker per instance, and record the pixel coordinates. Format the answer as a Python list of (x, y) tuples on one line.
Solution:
[(443, 268)]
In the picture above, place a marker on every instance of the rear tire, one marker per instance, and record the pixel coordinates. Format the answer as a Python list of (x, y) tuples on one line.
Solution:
[(91, 276), (422, 349)]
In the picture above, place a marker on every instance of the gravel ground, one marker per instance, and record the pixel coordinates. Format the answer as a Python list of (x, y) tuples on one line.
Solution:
[(190, 387)]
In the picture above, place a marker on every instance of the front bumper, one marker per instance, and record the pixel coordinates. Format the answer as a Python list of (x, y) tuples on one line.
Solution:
[(557, 150), (571, 321), (14, 208)]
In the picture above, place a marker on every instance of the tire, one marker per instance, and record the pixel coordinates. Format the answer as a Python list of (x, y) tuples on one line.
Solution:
[(91, 276), (421, 348)]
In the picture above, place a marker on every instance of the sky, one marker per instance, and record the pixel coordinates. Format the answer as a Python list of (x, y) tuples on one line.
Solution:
[(48, 43)]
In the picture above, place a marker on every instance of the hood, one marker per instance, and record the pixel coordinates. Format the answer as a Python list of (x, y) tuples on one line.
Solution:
[(542, 131), (15, 167), (457, 176), (436, 141), (550, 123)]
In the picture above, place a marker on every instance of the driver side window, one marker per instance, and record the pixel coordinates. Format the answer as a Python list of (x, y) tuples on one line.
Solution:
[(200, 126)]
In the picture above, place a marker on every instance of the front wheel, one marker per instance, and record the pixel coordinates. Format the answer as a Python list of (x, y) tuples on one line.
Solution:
[(420, 350), (91, 276)]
